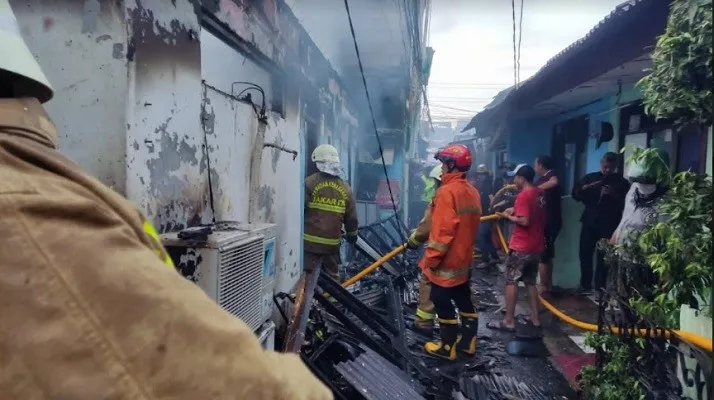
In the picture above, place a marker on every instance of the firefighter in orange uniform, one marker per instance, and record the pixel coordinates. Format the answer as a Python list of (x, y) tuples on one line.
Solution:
[(456, 213)]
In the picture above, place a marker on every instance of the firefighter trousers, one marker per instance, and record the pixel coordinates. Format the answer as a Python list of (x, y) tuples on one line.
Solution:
[(461, 296), (425, 308), (330, 263)]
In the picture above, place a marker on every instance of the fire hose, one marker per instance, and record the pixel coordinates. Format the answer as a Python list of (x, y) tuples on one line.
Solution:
[(689, 337)]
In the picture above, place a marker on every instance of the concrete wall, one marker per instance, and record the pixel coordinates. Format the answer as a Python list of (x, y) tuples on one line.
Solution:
[(132, 109), (81, 47)]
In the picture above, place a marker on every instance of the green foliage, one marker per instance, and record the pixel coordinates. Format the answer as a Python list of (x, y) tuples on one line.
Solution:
[(616, 379), (680, 85), (653, 165), (678, 249)]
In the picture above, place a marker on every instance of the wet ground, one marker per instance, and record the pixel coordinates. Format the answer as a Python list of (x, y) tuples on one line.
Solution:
[(538, 372)]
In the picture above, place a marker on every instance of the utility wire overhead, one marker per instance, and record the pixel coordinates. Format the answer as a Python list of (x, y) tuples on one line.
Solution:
[(515, 55), (520, 39), (451, 108)]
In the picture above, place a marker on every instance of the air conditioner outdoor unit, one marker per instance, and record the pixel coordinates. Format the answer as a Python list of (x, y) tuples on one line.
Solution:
[(234, 265)]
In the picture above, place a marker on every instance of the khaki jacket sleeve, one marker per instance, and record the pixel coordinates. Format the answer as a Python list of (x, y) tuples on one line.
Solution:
[(421, 234), (351, 221), (95, 314)]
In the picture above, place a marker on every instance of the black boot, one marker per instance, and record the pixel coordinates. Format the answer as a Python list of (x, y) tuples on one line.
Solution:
[(469, 330), (446, 348)]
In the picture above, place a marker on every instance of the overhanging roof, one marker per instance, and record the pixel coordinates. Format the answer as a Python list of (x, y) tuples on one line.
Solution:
[(626, 34)]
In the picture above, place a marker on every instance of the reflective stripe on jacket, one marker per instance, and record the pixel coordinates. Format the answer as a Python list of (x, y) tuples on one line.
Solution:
[(429, 189), (159, 249), (455, 218), (329, 203)]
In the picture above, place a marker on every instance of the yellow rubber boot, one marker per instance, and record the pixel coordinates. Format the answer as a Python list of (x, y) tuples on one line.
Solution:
[(446, 348), (469, 331)]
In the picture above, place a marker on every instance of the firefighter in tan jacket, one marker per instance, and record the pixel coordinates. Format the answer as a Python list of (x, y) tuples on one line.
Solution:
[(329, 204), (424, 321), (90, 305)]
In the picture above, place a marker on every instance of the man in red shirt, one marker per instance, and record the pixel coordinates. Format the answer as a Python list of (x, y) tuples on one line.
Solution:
[(526, 246)]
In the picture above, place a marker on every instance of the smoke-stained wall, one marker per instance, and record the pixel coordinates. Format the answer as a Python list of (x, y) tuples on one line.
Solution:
[(133, 109)]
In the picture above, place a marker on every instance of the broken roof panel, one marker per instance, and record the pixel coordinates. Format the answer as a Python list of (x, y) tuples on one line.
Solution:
[(376, 379)]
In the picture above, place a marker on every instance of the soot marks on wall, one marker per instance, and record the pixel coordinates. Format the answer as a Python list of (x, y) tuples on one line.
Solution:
[(164, 55), (162, 45), (265, 203)]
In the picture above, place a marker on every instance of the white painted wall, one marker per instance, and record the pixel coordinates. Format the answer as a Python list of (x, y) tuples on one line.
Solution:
[(131, 108), (166, 165), (82, 51)]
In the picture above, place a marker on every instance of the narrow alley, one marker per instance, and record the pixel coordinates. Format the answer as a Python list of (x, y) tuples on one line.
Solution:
[(356, 199)]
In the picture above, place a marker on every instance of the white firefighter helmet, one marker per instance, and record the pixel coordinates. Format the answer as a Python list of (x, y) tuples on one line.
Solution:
[(325, 153), (436, 172), (26, 77)]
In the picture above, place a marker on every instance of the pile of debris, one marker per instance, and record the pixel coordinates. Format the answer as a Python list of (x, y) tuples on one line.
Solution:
[(358, 341)]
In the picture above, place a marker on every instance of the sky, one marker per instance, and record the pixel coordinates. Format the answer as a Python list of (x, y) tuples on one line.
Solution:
[(473, 43)]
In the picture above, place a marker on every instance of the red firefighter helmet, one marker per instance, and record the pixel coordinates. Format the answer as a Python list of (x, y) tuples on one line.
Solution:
[(458, 154)]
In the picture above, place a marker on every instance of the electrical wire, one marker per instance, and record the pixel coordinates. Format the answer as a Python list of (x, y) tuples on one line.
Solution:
[(520, 38), (515, 55), (371, 109)]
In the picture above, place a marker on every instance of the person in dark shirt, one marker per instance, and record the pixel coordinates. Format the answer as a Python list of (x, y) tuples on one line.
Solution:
[(549, 184), (502, 179), (603, 194), (483, 181)]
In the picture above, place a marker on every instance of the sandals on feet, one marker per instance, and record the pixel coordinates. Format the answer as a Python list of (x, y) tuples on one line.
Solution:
[(529, 320), (500, 326)]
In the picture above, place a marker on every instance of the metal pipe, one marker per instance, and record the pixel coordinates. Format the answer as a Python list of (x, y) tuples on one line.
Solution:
[(281, 148), (374, 265)]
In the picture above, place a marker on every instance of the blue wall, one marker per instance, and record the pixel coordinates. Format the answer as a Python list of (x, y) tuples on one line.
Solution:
[(531, 138), (528, 140)]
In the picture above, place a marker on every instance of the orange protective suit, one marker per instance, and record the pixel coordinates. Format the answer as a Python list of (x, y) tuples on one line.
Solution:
[(456, 213)]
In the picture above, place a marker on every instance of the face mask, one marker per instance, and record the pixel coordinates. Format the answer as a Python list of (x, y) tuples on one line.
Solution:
[(634, 170)]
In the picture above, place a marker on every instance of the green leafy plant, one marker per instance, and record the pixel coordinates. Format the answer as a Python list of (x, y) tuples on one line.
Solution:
[(680, 85), (679, 251), (615, 380)]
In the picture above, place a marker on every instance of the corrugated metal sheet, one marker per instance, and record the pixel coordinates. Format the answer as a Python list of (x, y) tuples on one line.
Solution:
[(377, 379), (506, 94), (495, 387)]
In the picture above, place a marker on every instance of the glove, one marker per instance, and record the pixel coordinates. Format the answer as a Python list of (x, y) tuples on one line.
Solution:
[(351, 239), (413, 244), (351, 253)]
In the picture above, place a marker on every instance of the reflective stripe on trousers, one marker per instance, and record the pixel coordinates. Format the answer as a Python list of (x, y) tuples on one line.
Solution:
[(321, 240), (452, 273)]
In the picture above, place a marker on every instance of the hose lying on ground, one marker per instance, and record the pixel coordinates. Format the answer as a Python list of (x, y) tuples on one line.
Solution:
[(689, 337)]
